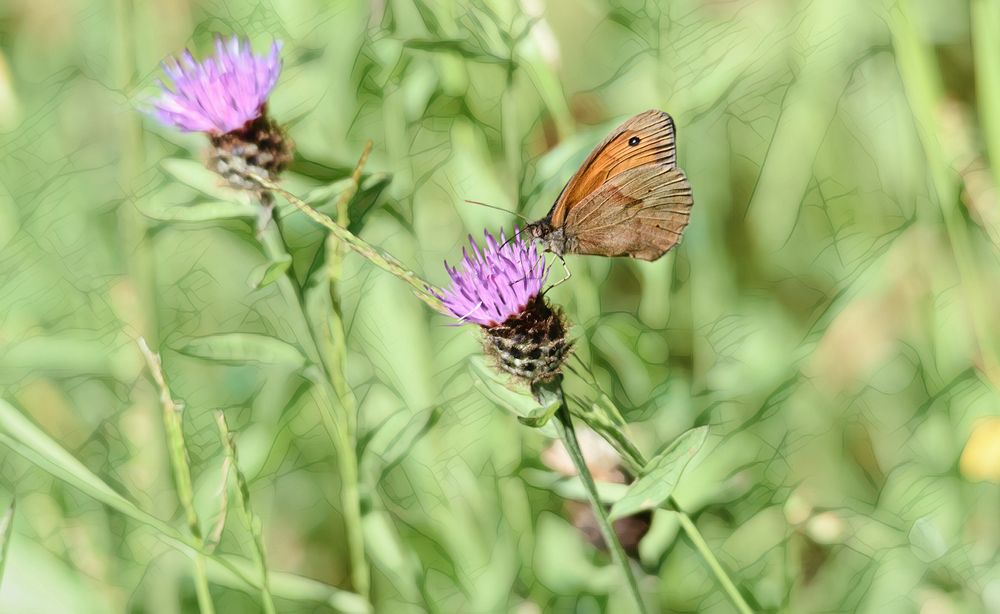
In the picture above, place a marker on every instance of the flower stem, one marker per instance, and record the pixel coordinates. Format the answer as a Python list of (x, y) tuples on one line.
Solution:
[(250, 520), (336, 359), (634, 458), (182, 472), (564, 425), (383, 260), (713, 563), (336, 423)]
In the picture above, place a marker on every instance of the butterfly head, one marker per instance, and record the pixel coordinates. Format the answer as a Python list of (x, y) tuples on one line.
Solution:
[(551, 239)]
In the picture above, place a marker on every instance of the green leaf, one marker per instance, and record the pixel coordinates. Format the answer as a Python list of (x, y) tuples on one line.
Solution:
[(195, 175), (365, 200), (201, 212), (269, 272), (661, 475), (6, 528), (457, 46), (320, 171), (392, 440), (241, 348), (22, 436), (523, 406), (571, 487)]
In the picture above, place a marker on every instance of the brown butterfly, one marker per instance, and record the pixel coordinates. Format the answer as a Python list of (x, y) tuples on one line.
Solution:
[(628, 198)]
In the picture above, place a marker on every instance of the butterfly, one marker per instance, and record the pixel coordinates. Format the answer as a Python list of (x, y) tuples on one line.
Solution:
[(627, 199)]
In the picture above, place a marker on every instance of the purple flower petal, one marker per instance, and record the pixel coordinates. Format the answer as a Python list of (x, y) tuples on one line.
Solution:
[(495, 282), (222, 92)]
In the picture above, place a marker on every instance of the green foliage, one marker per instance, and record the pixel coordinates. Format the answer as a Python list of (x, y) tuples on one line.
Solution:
[(660, 475), (829, 316)]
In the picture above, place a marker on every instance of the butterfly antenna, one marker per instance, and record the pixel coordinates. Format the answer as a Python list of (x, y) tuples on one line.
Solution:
[(513, 236), (514, 213)]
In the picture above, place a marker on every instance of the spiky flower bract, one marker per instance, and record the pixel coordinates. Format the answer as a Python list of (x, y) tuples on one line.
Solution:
[(220, 93), (499, 287), (225, 96), (495, 282)]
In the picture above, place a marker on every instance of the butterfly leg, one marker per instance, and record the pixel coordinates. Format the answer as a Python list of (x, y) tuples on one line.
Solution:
[(565, 268)]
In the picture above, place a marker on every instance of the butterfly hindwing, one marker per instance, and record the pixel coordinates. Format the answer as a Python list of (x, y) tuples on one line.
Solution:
[(639, 213)]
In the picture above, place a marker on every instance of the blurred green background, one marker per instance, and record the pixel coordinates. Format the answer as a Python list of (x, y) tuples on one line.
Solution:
[(831, 313)]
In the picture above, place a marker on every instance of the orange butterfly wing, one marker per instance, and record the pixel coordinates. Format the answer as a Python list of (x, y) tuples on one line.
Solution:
[(639, 213), (651, 135)]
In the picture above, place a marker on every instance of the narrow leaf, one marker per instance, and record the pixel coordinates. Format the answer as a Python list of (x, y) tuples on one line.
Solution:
[(200, 212), (195, 175), (21, 435), (269, 272), (6, 528), (457, 46), (241, 348), (393, 439), (522, 406), (661, 475)]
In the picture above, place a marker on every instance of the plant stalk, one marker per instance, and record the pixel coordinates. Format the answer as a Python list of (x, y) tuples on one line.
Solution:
[(634, 458), (336, 360), (564, 425), (182, 472), (383, 260), (250, 520), (335, 422)]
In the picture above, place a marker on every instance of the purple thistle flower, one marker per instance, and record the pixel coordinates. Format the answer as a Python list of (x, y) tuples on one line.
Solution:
[(496, 282), (220, 94)]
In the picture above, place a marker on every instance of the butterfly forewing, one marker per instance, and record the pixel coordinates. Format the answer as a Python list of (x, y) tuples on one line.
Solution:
[(639, 213), (646, 139)]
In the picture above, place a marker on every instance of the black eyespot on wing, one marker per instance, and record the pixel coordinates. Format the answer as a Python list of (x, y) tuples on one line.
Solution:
[(633, 141)]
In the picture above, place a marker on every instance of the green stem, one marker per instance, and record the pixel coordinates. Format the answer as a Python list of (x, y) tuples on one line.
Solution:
[(336, 360), (182, 472), (713, 563), (924, 92), (201, 586), (383, 260), (250, 520), (564, 425), (336, 423), (985, 18), (636, 461)]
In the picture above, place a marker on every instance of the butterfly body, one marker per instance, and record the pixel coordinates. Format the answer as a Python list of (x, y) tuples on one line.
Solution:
[(628, 198), (552, 239)]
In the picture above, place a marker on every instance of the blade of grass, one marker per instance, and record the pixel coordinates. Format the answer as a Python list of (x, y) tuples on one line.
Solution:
[(181, 469), (250, 520), (6, 528), (336, 362), (924, 91), (27, 440), (985, 18)]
